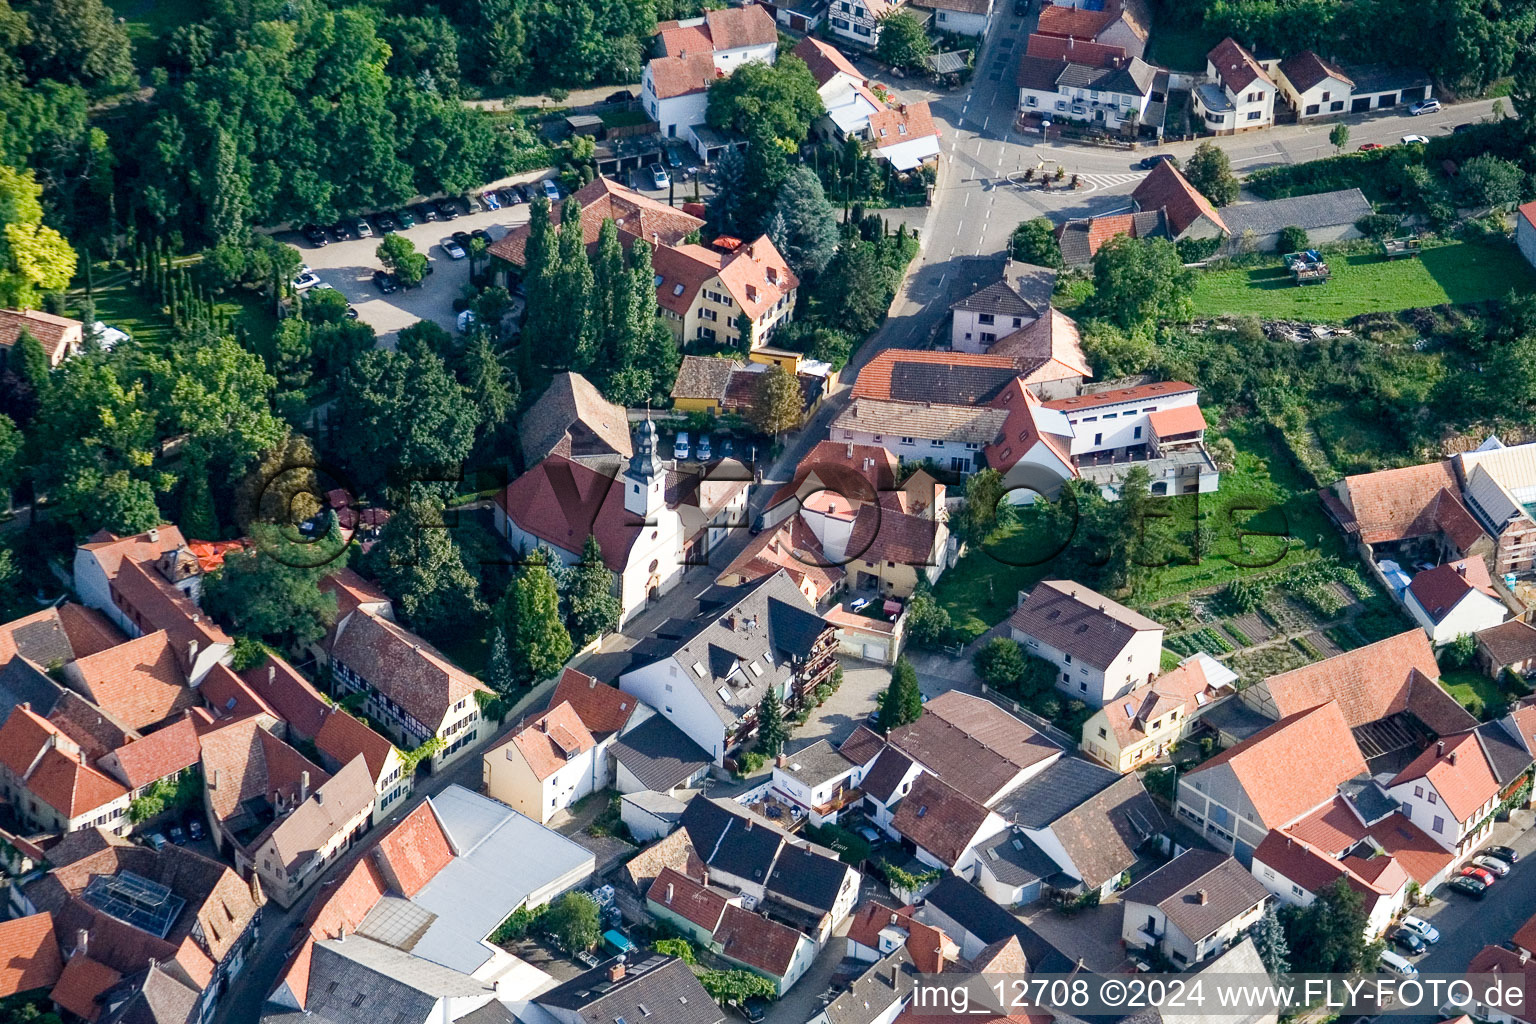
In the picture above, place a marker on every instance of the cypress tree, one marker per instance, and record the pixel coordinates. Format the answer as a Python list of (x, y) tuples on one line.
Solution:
[(574, 289)]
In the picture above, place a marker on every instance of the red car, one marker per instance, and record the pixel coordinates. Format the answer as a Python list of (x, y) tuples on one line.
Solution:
[(1367, 147), (1486, 877)]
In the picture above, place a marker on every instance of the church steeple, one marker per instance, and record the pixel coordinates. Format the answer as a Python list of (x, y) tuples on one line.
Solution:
[(645, 480)]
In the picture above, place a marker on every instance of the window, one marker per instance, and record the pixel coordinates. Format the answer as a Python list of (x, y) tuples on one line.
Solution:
[(1439, 824), (972, 446), (1312, 108), (1102, 734), (1018, 321), (1082, 687), (1068, 657), (936, 444), (1098, 438), (1111, 415), (1296, 890), (861, 30), (943, 16), (708, 314), (1254, 115), (841, 23), (1136, 433), (1432, 798), (1327, 96), (1336, 105), (985, 318), (988, 337), (1418, 791), (1031, 101), (906, 440)]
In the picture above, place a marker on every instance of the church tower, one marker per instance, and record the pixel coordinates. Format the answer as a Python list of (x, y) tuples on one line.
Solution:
[(645, 480)]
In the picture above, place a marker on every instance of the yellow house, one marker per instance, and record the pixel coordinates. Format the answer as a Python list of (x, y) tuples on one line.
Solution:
[(1141, 726), (701, 383), (888, 547), (704, 290), (795, 362)]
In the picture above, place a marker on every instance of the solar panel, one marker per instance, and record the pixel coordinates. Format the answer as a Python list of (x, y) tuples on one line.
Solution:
[(134, 899)]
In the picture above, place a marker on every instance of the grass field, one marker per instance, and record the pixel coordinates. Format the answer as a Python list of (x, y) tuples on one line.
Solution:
[(1469, 685), (1364, 282), (1265, 492), (120, 304)]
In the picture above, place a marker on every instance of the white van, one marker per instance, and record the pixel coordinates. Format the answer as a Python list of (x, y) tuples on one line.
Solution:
[(1391, 961), (680, 447)]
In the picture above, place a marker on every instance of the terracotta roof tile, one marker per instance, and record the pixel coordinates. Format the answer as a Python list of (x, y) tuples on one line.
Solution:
[(679, 40), (404, 667), (242, 762), (674, 851), (1460, 773), (141, 682), (1510, 642), (344, 737), (1079, 621), (1235, 66), (1266, 763), (414, 851), (549, 742), (92, 727), (1306, 69), (1022, 430), (825, 60), (1005, 956), (1397, 504), (736, 27), (82, 980), (902, 123), (1439, 590), (163, 752), (1117, 396), (863, 746), (757, 275), (71, 788), (1069, 47), (333, 807), (963, 377), (229, 698), (155, 604), (1166, 188), (29, 954), (1525, 937), (792, 547), (756, 941), (573, 419), (885, 535), (688, 899), (89, 631), (1335, 828), (1176, 688), (939, 818), (1073, 22), (563, 502), (926, 945), (636, 215), (22, 738), (280, 687), (53, 333), (603, 709), (1182, 419)]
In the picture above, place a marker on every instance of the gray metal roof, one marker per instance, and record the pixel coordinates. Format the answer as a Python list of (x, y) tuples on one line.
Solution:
[(658, 804), (502, 858), (1061, 787), (1323, 210), (1370, 800)]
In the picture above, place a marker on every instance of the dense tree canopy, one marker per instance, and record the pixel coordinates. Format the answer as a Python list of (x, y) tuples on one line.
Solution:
[(780, 98)]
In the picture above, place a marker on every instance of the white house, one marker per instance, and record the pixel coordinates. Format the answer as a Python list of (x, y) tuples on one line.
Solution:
[(858, 21), (1107, 92), (1453, 599), (732, 36), (674, 92), (906, 135), (816, 779), (962, 17), (1450, 791), (844, 91), (1159, 426), (1102, 648), (1192, 908), (1312, 86), (559, 503), (1239, 96), (1295, 871)]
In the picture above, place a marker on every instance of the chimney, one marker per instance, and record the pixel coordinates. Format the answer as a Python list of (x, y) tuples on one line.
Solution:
[(303, 786), (1461, 568), (669, 894), (895, 976), (616, 972), (544, 725), (191, 652), (213, 781), (1202, 897), (319, 796), (153, 534), (1453, 759), (1440, 748), (1525, 956), (749, 251), (271, 674), (780, 761), (749, 824), (82, 941)]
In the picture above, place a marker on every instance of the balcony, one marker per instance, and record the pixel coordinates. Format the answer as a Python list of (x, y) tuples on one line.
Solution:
[(843, 798)]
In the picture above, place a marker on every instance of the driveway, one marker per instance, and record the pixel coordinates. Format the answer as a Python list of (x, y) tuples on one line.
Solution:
[(844, 710), (1091, 935)]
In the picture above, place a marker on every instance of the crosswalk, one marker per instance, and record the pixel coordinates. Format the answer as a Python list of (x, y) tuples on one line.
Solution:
[(1087, 182)]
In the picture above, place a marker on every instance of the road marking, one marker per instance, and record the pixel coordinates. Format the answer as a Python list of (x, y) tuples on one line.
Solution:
[(960, 228)]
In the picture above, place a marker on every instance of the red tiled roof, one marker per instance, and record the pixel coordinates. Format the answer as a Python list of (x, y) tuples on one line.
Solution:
[(1021, 431), (886, 535), (875, 378), (414, 851), (82, 980), (22, 738), (163, 752), (280, 686), (756, 941), (1117, 396), (688, 899), (1167, 189), (153, 603), (1509, 643), (29, 954), (1306, 69), (1334, 828), (1525, 938), (602, 708), (825, 60), (902, 123), (757, 275), (1313, 869), (562, 502), (925, 943), (1079, 621), (244, 762), (343, 737), (229, 698), (1079, 50), (1498, 960), (637, 216), (49, 331), (1293, 766), (736, 27), (680, 76), (110, 550), (40, 638), (1064, 20), (792, 547), (863, 746), (1460, 773), (1235, 66), (1183, 419), (89, 631), (404, 667), (939, 818), (1441, 589), (1528, 211), (1397, 504), (71, 788), (141, 682), (856, 471), (550, 741), (677, 40)]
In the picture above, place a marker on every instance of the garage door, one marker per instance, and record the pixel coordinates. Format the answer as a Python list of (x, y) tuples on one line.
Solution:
[(1360, 106), (875, 652)]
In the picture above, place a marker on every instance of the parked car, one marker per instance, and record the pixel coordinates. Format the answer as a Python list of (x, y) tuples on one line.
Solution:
[(1504, 854), (1409, 140), (156, 841), (447, 209), (314, 236), (178, 836), (1426, 931), (1469, 886), (680, 448), (659, 176), (528, 192), (472, 204), (481, 234), (674, 159), (405, 218), (1481, 874), (385, 281), (705, 451), (1149, 162), (1366, 147), (360, 227), (1408, 941), (195, 827), (307, 279), (1020, 8), (454, 250), (1424, 107), (1391, 961), (490, 200), (1498, 867), (425, 213), (336, 232), (551, 190), (753, 1010), (385, 222), (510, 196), (727, 447)]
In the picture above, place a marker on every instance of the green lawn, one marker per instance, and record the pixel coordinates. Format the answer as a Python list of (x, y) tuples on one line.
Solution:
[(1458, 273), (122, 305), (1180, 47), (148, 21), (1468, 685), (1265, 492)]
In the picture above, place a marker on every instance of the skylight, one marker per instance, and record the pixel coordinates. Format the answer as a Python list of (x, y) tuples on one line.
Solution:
[(723, 694), (1130, 710), (677, 289), (757, 669), (698, 670)]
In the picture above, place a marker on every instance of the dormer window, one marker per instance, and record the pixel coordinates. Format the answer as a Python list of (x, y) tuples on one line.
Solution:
[(677, 289)]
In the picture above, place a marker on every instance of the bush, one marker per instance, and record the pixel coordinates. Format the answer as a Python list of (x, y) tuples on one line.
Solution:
[(680, 948), (1194, 250), (1293, 239), (750, 763), (1459, 652), (574, 921), (1379, 225)]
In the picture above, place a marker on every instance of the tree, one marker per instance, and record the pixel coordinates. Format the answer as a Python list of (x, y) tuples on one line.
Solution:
[(1209, 170), (776, 403), (1034, 241), (491, 387), (78, 41), (574, 292), (498, 664), (421, 569), (1339, 137), (219, 395), (271, 590), (983, 496), (728, 200), (857, 288), (574, 921), (903, 41), (1268, 936), (1459, 652), (1328, 935), (1140, 280), (197, 518), (902, 701), (399, 256), (809, 223), (928, 623), (529, 613), (1000, 663), (34, 258), (1488, 180), (733, 987), (780, 98), (771, 732), (594, 608), (1292, 239), (610, 300)]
